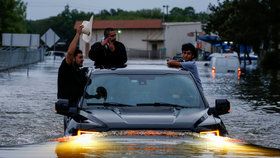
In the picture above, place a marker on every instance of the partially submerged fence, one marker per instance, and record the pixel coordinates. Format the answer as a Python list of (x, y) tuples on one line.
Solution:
[(11, 57)]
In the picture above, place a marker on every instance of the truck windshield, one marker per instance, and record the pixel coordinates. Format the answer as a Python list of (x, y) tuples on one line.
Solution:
[(173, 89)]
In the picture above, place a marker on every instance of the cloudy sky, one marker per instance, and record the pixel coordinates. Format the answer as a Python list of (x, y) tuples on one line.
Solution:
[(39, 9)]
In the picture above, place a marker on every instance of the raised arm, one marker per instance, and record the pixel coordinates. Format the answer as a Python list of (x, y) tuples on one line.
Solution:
[(73, 45)]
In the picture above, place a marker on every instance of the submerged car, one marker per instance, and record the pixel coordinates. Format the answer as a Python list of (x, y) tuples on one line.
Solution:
[(143, 97), (225, 63), (56, 53)]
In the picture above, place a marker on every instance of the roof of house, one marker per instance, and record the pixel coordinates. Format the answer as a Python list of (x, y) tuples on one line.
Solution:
[(125, 24)]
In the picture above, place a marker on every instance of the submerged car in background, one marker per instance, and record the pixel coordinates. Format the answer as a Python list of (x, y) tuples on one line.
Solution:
[(56, 53), (143, 97), (224, 63)]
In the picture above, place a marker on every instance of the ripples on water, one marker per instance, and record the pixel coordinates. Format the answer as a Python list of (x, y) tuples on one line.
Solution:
[(262, 89), (27, 104), (255, 102), (26, 107)]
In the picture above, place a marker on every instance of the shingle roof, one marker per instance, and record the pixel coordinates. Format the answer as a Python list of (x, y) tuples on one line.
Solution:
[(125, 24)]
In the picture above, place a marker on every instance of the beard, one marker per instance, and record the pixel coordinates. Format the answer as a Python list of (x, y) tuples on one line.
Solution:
[(113, 40), (78, 65)]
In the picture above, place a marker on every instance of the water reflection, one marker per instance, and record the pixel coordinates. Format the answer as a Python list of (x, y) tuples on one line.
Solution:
[(262, 89), (160, 147), (254, 99)]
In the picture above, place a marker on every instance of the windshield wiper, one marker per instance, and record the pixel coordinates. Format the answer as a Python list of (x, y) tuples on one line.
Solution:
[(111, 104), (161, 104)]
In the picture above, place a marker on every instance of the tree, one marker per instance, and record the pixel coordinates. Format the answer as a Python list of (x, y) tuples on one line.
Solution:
[(240, 21), (186, 15), (12, 16), (62, 24), (113, 12), (273, 12), (189, 11), (250, 22)]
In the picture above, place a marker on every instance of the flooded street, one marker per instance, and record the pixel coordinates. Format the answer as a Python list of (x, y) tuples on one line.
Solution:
[(27, 110), (255, 104), (27, 104)]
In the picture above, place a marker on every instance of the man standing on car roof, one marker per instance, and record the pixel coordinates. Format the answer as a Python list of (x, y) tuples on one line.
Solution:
[(109, 53), (189, 53), (71, 78)]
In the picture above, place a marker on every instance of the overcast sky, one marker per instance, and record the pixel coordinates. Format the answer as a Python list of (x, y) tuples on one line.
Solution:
[(39, 9)]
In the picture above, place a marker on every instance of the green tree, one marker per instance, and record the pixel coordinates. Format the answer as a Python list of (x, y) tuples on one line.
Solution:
[(238, 21), (12, 16), (113, 12), (273, 15), (62, 24), (186, 15), (177, 14), (250, 22)]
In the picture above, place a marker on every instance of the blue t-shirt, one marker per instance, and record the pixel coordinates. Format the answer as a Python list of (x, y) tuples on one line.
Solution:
[(191, 66)]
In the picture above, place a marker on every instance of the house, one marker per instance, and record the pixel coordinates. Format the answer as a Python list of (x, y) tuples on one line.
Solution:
[(145, 38), (142, 38), (178, 33)]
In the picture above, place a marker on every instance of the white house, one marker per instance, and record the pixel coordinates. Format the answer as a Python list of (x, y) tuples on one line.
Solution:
[(178, 33)]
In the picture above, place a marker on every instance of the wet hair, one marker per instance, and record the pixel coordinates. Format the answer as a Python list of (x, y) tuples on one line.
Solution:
[(107, 31), (190, 47), (77, 51)]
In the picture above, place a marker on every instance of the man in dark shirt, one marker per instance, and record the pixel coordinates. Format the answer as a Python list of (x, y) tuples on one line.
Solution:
[(108, 53), (71, 78)]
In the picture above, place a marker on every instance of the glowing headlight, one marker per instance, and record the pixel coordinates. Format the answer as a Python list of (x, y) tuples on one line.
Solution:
[(86, 138), (83, 139), (86, 132), (210, 133)]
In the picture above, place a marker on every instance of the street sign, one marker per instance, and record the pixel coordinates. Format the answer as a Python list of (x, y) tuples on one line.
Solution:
[(50, 38), (20, 40)]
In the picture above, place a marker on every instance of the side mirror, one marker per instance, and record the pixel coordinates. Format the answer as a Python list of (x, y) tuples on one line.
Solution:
[(62, 107), (222, 106)]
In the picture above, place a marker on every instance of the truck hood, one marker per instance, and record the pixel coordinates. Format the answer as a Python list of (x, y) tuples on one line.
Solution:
[(147, 117)]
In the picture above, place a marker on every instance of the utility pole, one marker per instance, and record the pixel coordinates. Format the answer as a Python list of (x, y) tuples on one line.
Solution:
[(167, 12), (165, 7), (163, 13)]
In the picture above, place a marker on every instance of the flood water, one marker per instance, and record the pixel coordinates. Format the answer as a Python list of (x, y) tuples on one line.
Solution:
[(255, 104), (27, 113)]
